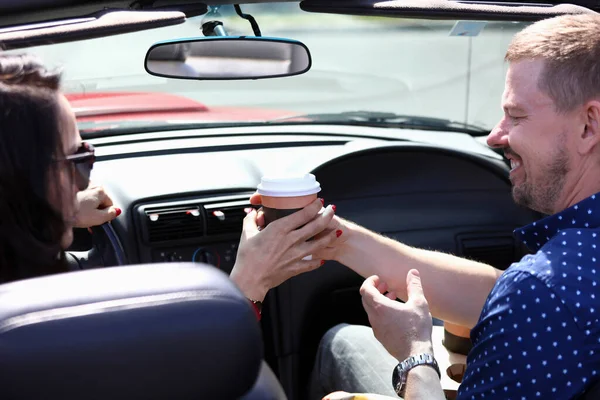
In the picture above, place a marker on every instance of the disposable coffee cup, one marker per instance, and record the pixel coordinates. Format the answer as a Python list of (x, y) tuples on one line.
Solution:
[(457, 339), (285, 195)]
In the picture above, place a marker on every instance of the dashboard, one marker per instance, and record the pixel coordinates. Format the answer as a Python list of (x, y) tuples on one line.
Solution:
[(184, 195)]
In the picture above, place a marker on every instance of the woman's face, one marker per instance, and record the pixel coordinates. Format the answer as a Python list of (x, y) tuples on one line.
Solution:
[(65, 196)]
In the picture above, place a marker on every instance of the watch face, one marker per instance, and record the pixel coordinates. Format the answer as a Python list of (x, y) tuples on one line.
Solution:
[(396, 378)]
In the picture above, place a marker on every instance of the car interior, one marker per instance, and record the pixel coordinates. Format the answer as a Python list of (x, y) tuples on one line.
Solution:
[(155, 334), (181, 153)]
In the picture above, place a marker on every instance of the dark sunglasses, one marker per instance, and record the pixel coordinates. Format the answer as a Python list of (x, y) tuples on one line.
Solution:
[(83, 161)]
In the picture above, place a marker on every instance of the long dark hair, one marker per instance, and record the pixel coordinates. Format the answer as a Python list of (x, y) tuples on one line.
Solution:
[(31, 229)]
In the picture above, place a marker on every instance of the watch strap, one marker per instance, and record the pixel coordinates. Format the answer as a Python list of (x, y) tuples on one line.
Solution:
[(400, 374)]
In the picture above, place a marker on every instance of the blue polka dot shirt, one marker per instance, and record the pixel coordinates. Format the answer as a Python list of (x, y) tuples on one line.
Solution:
[(538, 335)]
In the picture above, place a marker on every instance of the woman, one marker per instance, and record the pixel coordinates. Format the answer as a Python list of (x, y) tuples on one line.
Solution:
[(44, 177), (36, 193)]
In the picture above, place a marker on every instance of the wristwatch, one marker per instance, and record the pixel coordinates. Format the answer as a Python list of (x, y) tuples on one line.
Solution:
[(400, 373)]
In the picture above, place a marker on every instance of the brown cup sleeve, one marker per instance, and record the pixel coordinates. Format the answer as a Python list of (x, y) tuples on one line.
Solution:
[(457, 344), (273, 214)]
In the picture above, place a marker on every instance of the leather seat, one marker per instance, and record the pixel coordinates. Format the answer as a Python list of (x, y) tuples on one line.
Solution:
[(161, 331), (267, 387)]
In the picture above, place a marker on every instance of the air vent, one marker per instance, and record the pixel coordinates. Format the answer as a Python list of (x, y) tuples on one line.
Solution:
[(498, 250), (226, 217), (174, 223)]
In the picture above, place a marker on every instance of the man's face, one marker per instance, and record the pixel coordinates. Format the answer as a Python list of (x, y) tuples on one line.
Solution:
[(536, 139)]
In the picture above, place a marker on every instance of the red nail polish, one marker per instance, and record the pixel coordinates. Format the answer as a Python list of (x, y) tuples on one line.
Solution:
[(119, 211), (322, 201), (322, 262), (338, 233), (333, 207)]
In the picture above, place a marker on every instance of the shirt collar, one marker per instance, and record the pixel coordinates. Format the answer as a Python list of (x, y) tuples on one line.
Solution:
[(585, 214)]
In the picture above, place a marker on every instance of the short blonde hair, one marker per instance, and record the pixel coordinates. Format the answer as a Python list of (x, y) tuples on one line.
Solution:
[(570, 48)]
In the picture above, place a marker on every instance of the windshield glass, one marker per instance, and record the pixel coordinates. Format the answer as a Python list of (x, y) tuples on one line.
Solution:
[(409, 67)]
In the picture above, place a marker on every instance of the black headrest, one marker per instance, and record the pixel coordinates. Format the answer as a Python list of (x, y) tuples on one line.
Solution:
[(162, 331)]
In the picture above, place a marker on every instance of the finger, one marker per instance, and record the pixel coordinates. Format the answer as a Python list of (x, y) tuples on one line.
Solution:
[(250, 223), (299, 267), (391, 295), (112, 212), (334, 226), (413, 285), (316, 246), (260, 218), (105, 215), (303, 266), (370, 281), (371, 296), (256, 199), (369, 292), (382, 287), (327, 253), (316, 226), (300, 218), (372, 315), (104, 199)]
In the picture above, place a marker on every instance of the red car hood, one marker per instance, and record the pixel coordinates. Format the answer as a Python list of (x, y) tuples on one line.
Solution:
[(132, 106)]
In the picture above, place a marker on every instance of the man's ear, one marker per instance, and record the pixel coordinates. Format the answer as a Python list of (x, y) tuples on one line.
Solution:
[(590, 136)]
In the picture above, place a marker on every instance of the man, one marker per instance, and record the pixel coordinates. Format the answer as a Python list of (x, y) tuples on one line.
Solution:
[(535, 327)]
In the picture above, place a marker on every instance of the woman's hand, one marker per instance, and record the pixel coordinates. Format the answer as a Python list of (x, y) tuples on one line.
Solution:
[(333, 249), (268, 257), (337, 224), (95, 207)]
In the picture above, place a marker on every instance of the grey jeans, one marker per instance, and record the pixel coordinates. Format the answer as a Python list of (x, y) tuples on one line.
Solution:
[(351, 359)]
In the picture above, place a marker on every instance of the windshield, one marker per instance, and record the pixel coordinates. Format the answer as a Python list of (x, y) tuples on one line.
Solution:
[(411, 67)]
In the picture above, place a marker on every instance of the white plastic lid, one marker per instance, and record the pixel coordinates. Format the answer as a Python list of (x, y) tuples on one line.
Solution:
[(289, 186)]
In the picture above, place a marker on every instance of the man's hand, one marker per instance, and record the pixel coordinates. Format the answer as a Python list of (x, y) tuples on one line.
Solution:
[(95, 207), (403, 329)]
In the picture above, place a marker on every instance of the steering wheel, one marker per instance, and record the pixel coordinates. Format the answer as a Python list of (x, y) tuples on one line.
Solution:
[(106, 251)]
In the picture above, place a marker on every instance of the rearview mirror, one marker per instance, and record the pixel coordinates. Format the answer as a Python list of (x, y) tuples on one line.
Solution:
[(222, 58)]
